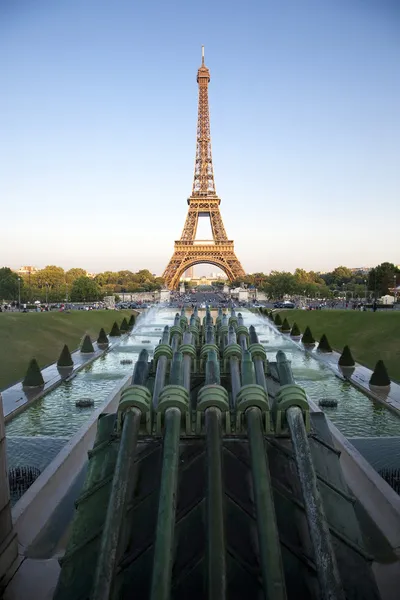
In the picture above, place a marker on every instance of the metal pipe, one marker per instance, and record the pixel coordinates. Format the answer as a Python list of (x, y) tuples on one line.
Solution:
[(242, 338), (325, 560), (268, 536), (187, 361), (164, 540), (324, 556), (209, 335), (161, 371), (258, 362), (212, 369), (216, 553), (176, 336), (109, 546), (234, 366)]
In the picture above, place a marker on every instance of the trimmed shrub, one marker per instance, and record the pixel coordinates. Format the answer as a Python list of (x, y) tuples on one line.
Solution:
[(33, 377), (115, 330), (380, 376), (132, 321), (65, 359), (346, 359), (307, 336), (102, 339), (87, 346), (278, 320), (124, 326), (285, 326), (271, 316), (324, 345), (295, 331)]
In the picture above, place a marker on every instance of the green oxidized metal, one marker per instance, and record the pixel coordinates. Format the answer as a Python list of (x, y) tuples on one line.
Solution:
[(136, 396), (212, 396), (253, 396), (231, 351), (173, 396), (242, 330), (175, 329), (289, 395), (162, 350), (258, 351)]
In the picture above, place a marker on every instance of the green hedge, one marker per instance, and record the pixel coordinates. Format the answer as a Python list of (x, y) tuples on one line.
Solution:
[(115, 330), (295, 331), (87, 346), (33, 377), (380, 376), (346, 359), (324, 345), (65, 359), (102, 339), (308, 336), (124, 326), (285, 326), (278, 320)]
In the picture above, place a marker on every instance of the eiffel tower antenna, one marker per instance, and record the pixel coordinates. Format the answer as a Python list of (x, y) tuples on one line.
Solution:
[(203, 202)]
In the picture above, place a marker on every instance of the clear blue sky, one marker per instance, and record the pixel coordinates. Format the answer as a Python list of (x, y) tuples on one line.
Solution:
[(98, 117)]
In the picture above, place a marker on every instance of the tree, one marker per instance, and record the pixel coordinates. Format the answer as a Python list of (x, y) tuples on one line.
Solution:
[(51, 275), (9, 284), (73, 274), (282, 283), (85, 289), (383, 277)]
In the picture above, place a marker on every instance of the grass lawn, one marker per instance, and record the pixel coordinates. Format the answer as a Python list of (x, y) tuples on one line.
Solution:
[(43, 335), (371, 336)]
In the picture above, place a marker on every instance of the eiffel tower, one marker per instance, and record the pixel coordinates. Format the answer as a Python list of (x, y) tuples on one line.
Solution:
[(203, 202)]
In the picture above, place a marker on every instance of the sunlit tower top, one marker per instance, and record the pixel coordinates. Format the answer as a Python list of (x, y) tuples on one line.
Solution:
[(203, 183)]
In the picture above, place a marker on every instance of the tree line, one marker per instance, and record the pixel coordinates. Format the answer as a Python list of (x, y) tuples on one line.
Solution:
[(53, 284), (339, 282)]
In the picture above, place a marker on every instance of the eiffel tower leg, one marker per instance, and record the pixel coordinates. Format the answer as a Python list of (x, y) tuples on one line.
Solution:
[(188, 255)]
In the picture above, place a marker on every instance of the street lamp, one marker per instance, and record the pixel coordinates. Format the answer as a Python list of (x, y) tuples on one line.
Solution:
[(394, 288), (19, 294), (47, 293), (365, 283)]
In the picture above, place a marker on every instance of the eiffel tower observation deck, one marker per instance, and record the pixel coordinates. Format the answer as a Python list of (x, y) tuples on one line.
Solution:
[(203, 202)]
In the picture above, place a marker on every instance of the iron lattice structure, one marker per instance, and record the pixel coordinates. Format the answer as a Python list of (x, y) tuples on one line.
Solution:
[(203, 202)]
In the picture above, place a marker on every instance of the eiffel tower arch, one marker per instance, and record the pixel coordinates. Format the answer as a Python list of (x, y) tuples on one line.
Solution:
[(203, 202)]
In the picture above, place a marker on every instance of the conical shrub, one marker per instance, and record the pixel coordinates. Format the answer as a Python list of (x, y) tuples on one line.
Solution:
[(102, 339), (87, 346), (124, 326), (278, 320), (115, 330), (285, 326), (131, 322), (33, 377), (271, 316), (307, 336), (346, 359), (295, 331), (65, 359), (380, 376), (324, 345)]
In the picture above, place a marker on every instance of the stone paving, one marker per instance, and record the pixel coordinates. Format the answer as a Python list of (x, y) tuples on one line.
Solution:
[(16, 396)]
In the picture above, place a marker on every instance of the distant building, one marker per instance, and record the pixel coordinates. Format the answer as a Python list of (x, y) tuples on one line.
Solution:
[(189, 273), (363, 270), (27, 270)]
